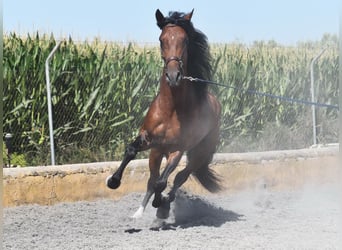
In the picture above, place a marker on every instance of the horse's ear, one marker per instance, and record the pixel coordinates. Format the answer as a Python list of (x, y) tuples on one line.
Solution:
[(160, 18), (189, 15)]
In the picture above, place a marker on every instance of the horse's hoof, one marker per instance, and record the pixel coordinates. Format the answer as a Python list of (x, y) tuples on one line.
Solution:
[(113, 182), (163, 212)]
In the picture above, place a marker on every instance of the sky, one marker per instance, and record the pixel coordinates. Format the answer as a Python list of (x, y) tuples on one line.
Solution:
[(286, 22)]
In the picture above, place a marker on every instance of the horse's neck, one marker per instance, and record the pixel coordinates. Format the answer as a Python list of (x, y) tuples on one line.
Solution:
[(177, 98)]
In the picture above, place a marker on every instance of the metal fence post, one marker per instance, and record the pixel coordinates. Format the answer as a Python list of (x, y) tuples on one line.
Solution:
[(313, 108), (48, 88)]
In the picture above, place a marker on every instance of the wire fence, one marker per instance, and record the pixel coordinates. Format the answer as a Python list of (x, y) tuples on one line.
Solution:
[(101, 92)]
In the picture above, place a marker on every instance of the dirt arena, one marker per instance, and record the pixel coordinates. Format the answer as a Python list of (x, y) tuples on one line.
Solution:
[(252, 219), (264, 215)]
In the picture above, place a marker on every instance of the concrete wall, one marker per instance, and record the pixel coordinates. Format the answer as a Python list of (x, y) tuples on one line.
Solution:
[(275, 169)]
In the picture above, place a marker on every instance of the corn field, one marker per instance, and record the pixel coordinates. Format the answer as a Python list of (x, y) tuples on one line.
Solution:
[(101, 91)]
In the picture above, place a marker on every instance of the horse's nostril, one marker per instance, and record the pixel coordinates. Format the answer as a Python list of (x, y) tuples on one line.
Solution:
[(178, 76), (173, 77)]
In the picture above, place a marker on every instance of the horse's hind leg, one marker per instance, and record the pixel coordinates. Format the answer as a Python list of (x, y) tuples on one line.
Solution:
[(154, 165), (198, 160), (179, 180)]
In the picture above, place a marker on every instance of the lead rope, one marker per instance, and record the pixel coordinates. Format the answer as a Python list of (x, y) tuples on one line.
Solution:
[(254, 92)]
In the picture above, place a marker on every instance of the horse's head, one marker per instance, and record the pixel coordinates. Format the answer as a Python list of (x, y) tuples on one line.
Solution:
[(174, 46)]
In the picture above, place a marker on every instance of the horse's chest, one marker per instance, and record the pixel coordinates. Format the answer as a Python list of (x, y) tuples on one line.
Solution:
[(169, 130), (179, 131)]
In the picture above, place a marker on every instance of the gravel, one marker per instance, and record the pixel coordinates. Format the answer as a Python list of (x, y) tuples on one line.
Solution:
[(308, 218)]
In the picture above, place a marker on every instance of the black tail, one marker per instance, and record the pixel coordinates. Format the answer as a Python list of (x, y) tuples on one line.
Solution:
[(209, 179)]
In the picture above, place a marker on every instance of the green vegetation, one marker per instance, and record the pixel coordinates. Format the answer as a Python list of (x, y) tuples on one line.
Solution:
[(16, 160), (101, 91)]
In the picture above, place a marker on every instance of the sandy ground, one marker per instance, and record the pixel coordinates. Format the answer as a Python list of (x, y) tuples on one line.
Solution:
[(253, 219)]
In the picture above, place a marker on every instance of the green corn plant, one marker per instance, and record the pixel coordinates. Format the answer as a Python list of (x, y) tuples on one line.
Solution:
[(102, 90)]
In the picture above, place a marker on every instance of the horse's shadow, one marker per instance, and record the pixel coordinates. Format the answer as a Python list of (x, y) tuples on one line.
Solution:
[(193, 211)]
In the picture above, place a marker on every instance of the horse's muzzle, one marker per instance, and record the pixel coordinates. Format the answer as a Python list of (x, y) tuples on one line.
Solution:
[(173, 77), (173, 70)]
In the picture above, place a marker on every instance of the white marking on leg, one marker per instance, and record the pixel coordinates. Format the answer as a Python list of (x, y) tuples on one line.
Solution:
[(138, 214)]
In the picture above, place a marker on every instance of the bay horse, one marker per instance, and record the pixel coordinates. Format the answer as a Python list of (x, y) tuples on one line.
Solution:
[(183, 117)]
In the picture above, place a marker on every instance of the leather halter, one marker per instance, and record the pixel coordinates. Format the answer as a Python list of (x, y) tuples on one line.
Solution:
[(174, 58)]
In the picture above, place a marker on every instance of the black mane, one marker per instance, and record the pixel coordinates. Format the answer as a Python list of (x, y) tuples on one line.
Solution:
[(199, 58)]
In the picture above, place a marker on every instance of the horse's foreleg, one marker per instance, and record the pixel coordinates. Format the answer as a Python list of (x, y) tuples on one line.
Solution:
[(131, 151), (114, 180), (154, 165), (172, 162), (141, 209)]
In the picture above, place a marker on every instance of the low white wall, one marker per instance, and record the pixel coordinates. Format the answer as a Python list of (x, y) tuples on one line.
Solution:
[(274, 169)]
